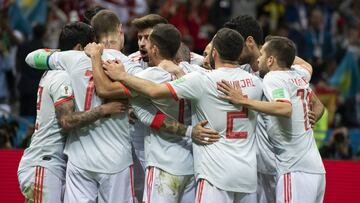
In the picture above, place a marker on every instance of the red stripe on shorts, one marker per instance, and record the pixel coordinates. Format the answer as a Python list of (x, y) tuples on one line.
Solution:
[(42, 183), (132, 184), (35, 183)]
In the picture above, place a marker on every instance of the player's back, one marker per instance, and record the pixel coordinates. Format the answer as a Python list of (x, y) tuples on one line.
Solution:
[(294, 145), (230, 163), (47, 142), (161, 147), (103, 146), (265, 151)]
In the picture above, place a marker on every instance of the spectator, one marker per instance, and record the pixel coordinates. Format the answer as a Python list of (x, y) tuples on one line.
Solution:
[(338, 146), (318, 47), (29, 78)]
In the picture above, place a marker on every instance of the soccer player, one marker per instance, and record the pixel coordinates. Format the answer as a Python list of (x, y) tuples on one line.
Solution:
[(168, 179), (226, 170), (249, 28), (144, 26), (41, 170), (100, 161), (300, 172), (106, 154)]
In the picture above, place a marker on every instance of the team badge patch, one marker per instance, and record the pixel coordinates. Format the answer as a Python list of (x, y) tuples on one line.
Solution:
[(278, 93)]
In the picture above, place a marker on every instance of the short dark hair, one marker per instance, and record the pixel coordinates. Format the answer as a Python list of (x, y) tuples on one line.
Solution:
[(148, 21), (246, 26), (75, 33), (167, 38), (91, 12), (228, 44), (282, 48), (183, 53), (105, 22)]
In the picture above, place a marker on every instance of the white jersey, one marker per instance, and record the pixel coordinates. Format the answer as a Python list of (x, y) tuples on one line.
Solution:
[(139, 130), (230, 163), (294, 145), (196, 59), (162, 148), (47, 143), (265, 151), (103, 146)]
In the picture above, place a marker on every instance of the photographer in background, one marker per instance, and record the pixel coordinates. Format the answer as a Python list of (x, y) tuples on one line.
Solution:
[(338, 146)]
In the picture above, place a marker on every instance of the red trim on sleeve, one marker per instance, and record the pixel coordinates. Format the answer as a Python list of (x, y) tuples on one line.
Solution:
[(64, 100), (284, 100), (172, 91), (127, 91), (158, 120)]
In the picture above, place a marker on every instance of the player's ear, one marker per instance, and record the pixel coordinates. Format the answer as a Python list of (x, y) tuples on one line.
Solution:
[(270, 61), (215, 53), (155, 49), (250, 42), (119, 29), (78, 47)]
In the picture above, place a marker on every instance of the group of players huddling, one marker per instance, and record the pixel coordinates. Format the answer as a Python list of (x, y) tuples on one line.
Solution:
[(232, 126)]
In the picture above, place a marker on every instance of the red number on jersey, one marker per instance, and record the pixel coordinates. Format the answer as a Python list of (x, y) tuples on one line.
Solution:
[(181, 111), (301, 93), (39, 95), (89, 91), (230, 116)]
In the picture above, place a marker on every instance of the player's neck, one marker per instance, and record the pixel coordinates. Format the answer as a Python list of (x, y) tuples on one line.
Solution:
[(278, 68), (157, 60), (226, 64), (254, 64)]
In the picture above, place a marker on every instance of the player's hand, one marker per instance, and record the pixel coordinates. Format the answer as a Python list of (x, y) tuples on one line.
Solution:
[(204, 136), (114, 69), (232, 94), (312, 118), (172, 68), (114, 107), (93, 49)]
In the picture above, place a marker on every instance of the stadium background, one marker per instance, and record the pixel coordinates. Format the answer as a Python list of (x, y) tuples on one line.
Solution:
[(326, 33)]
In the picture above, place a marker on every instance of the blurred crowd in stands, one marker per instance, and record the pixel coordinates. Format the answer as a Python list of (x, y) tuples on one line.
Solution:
[(326, 32)]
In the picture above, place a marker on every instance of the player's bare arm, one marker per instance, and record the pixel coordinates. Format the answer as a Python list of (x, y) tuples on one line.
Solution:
[(317, 109), (303, 63), (236, 97), (200, 134), (171, 67), (69, 120), (147, 88), (105, 88)]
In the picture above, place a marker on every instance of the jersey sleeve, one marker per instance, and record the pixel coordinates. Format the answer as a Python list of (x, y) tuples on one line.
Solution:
[(61, 90), (147, 113), (275, 88), (196, 59), (64, 60), (39, 58), (302, 71), (155, 75), (130, 66), (189, 68), (187, 87)]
